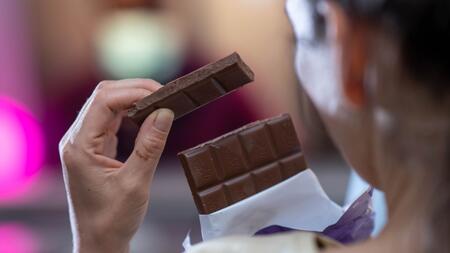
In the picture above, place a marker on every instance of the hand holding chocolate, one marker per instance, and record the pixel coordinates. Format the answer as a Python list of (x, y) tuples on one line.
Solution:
[(236, 165)]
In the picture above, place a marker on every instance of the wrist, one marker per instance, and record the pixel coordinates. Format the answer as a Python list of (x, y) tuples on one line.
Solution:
[(92, 248), (104, 242), (98, 247)]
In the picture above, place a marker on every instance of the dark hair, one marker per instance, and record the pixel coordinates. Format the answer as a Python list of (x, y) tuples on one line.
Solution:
[(423, 27)]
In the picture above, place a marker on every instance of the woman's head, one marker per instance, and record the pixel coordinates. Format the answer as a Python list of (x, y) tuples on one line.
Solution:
[(370, 66)]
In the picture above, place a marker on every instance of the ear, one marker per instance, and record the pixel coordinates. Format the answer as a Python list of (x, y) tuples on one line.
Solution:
[(351, 37)]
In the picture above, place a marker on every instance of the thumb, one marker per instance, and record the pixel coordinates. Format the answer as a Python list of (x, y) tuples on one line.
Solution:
[(149, 144)]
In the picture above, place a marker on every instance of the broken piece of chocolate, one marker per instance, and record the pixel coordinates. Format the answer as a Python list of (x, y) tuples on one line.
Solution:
[(242, 163), (196, 89)]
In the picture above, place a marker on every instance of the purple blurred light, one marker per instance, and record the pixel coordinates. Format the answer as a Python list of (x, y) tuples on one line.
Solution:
[(16, 238), (21, 149)]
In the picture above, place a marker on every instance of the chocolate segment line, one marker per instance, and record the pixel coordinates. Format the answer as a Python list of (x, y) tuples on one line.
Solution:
[(242, 163), (195, 89)]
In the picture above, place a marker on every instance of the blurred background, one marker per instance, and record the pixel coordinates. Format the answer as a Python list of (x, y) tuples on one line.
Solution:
[(52, 55)]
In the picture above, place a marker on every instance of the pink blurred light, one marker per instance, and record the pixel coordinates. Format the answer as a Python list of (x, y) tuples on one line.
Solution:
[(21, 149), (16, 238)]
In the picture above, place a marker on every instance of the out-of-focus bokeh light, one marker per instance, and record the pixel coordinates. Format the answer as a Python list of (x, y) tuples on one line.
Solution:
[(16, 238), (138, 43), (21, 149)]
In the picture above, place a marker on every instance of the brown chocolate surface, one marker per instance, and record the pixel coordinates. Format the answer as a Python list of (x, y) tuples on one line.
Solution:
[(196, 89), (242, 163)]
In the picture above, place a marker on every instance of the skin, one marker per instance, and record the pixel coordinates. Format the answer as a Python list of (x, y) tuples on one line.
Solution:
[(107, 197), (387, 125)]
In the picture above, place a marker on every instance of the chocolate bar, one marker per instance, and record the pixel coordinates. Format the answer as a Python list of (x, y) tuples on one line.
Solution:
[(242, 163), (196, 89)]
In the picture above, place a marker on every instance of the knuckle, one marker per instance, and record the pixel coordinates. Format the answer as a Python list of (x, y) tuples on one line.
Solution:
[(102, 90), (73, 155), (67, 154), (101, 96), (103, 84)]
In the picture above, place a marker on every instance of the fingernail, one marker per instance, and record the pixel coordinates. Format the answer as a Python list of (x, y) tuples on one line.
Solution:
[(164, 119)]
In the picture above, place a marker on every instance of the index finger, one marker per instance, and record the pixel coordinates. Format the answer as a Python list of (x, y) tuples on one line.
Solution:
[(147, 84), (108, 100), (106, 106)]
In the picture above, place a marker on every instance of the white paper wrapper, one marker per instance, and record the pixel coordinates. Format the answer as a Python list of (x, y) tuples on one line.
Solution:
[(298, 202)]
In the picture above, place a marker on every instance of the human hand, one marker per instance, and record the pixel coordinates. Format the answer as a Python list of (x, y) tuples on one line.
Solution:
[(107, 198)]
